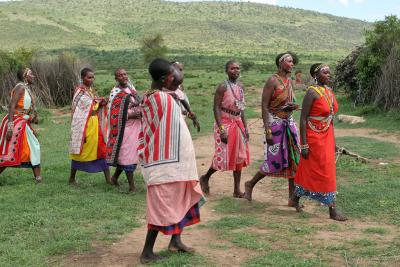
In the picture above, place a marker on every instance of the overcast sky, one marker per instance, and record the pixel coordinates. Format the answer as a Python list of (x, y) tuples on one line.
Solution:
[(369, 10)]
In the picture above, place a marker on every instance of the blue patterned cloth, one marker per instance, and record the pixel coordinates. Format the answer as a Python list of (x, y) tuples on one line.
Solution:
[(324, 198)]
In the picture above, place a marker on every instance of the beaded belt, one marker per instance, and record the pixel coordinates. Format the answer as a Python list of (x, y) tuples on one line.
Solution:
[(234, 113), (326, 122)]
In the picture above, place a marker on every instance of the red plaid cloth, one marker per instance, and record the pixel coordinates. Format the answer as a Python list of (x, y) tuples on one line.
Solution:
[(191, 217)]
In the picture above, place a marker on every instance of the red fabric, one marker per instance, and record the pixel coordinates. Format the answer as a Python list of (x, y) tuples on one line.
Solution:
[(101, 145), (318, 172), (159, 137), (14, 153)]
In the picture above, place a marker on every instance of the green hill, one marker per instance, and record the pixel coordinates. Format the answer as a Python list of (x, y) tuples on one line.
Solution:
[(200, 27)]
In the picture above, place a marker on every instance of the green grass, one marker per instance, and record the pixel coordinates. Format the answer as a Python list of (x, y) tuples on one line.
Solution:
[(181, 259), (283, 259), (376, 230), (50, 219), (369, 148), (198, 27), (383, 122)]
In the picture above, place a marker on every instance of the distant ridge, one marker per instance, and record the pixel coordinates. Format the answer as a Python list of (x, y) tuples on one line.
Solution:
[(196, 26)]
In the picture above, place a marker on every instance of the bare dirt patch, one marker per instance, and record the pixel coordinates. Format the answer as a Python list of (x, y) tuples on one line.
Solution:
[(126, 251)]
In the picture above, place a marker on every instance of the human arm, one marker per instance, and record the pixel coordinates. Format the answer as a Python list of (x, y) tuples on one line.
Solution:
[(308, 101), (219, 95), (268, 90), (190, 114), (243, 117), (18, 92)]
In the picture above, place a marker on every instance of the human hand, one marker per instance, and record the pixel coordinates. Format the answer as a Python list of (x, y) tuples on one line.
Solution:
[(35, 119), (305, 152), (196, 124), (224, 138), (9, 134), (290, 107)]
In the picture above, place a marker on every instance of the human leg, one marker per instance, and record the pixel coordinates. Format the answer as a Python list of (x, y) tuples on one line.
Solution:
[(176, 245), (72, 179), (236, 184), (107, 176), (335, 215), (36, 174), (204, 179), (249, 185), (114, 178), (295, 200), (131, 181), (291, 187), (148, 255)]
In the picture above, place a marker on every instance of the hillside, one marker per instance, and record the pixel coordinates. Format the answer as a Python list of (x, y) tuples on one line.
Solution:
[(204, 27)]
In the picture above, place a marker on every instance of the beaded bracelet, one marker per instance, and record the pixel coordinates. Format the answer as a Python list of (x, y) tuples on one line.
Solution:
[(303, 147)]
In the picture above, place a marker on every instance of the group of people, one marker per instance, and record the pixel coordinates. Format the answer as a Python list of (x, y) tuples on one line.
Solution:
[(125, 130), (308, 161)]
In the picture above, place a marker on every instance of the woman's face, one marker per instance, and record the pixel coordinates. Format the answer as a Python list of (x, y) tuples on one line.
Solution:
[(324, 75), (168, 80), (233, 71), (287, 64), (30, 78), (88, 79)]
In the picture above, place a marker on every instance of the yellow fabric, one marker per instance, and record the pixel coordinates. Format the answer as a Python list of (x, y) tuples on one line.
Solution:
[(89, 150), (316, 89)]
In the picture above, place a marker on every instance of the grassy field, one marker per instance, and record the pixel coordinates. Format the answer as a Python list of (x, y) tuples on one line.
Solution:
[(42, 223), (200, 26)]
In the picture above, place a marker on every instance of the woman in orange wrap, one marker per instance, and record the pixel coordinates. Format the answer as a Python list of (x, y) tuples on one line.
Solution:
[(316, 173), (19, 146)]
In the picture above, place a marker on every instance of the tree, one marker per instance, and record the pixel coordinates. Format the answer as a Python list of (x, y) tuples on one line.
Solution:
[(378, 44), (153, 47)]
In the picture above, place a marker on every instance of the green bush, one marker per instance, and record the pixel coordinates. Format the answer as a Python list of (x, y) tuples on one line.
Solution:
[(378, 44)]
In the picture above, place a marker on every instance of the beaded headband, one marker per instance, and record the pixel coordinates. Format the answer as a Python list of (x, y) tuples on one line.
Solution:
[(320, 68), (26, 72), (283, 57)]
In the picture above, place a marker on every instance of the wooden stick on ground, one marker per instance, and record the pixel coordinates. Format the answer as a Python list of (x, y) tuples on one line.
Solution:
[(343, 151)]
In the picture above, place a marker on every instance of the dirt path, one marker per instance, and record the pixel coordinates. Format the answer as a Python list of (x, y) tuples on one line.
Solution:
[(126, 251)]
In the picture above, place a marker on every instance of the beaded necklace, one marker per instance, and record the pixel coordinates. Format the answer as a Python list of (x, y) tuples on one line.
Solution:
[(286, 86), (239, 101)]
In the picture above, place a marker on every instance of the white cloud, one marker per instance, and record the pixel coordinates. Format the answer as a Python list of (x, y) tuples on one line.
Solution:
[(347, 2), (270, 2)]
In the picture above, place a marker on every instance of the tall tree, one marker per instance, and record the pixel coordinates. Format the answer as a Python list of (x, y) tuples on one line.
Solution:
[(153, 47)]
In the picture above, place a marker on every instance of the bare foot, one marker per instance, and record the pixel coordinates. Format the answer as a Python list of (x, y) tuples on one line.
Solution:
[(73, 183), (149, 258), (238, 195), (248, 191), (204, 185), (114, 181), (180, 248), (334, 215), (38, 179), (132, 190), (292, 204)]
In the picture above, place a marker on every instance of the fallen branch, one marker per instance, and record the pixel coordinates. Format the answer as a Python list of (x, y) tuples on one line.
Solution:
[(343, 151)]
